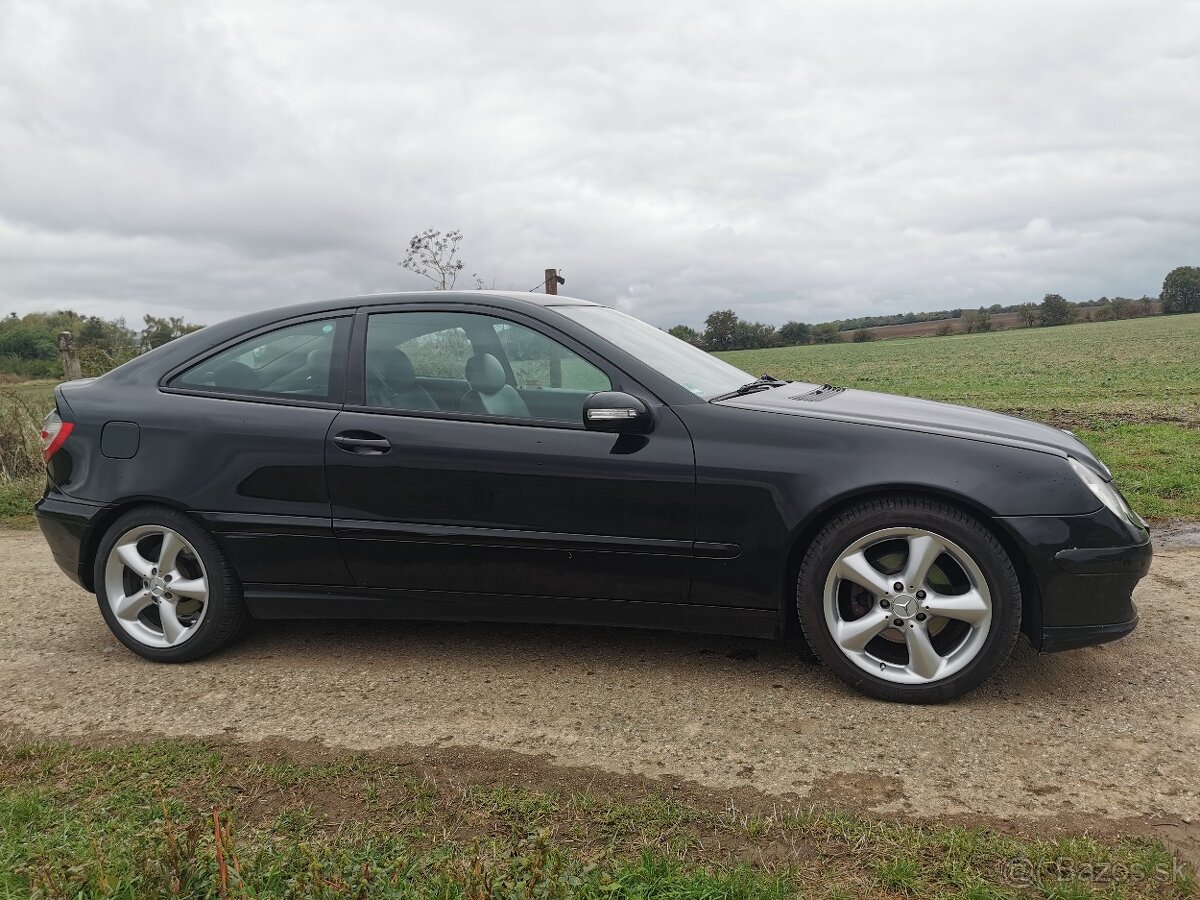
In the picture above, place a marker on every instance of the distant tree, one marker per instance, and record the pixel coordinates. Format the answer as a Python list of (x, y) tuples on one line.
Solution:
[(434, 255), (944, 329), (1056, 310), (685, 333), (1028, 313), (108, 334), (754, 336), (26, 341), (719, 330), (983, 320), (1105, 313), (863, 336), (1181, 291), (826, 333), (159, 331), (793, 333), (1123, 308)]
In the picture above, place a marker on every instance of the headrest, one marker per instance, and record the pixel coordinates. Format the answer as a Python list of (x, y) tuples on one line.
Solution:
[(236, 374), (319, 359), (485, 374), (397, 368)]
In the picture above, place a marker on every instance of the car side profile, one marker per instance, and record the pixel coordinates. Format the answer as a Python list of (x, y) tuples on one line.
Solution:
[(517, 457)]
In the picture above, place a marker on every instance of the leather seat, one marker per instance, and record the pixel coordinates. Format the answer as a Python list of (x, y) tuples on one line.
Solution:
[(318, 364), (236, 375), (396, 371), (490, 392)]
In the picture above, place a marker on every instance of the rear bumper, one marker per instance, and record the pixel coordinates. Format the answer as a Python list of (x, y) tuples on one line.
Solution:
[(1084, 570), (67, 525)]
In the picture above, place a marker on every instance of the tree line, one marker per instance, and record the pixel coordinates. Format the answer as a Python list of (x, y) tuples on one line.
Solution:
[(725, 330), (29, 343)]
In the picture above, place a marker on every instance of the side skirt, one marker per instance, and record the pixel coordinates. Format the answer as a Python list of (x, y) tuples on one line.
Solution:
[(270, 601)]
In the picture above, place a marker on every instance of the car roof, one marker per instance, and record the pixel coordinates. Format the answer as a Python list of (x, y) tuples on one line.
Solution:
[(190, 344), (460, 297), (280, 313)]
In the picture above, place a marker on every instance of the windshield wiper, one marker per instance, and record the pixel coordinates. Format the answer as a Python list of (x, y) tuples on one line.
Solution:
[(763, 382)]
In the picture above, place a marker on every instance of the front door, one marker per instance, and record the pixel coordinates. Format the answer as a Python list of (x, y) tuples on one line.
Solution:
[(466, 468)]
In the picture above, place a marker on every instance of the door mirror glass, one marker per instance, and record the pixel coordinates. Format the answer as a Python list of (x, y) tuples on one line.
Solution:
[(615, 411)]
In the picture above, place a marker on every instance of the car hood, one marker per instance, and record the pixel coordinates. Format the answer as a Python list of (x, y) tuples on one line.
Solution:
[(911, 414)]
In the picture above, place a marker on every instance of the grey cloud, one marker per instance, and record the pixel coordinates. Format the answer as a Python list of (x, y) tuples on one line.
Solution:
[(826, 160)]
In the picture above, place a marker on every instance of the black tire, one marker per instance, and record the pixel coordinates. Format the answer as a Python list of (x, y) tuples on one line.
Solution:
[(226, 615), (940, 518)]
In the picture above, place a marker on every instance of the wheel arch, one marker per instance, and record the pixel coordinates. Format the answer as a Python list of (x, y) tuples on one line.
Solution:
[(802, 537), (103, 522)]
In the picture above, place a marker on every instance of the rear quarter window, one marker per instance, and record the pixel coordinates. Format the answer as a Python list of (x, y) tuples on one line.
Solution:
[(295, 361)]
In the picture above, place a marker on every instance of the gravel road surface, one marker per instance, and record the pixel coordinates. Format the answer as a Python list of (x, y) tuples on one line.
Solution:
[(1106, 734)]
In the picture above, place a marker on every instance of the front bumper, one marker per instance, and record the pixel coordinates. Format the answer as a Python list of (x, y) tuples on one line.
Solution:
[(1084, 570)]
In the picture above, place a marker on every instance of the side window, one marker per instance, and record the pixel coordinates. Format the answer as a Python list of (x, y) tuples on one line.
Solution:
[(439, 354), (473, 363), (538, 362), (291, 362)]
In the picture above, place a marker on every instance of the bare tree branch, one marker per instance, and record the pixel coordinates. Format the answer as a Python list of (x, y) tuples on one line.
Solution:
[(434, 255)]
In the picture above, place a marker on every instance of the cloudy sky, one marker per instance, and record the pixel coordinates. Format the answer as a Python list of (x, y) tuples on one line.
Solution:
[(790, 160)]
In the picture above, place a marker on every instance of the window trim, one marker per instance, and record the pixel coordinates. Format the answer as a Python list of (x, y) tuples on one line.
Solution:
[(355, 398), (337, 365)]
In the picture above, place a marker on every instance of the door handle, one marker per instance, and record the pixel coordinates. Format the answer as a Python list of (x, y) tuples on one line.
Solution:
[(363, 442)]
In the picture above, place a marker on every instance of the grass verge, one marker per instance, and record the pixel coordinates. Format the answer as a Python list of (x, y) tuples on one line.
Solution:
[(192, 819)]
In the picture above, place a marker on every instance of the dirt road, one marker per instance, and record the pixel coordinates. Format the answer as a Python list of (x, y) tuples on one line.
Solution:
[(1105, 734)]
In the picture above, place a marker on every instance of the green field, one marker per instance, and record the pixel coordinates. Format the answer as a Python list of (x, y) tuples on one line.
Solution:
[(196, 820), (1130, 389)]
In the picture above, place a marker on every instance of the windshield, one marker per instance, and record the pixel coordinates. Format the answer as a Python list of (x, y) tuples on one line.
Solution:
[(689, 367)]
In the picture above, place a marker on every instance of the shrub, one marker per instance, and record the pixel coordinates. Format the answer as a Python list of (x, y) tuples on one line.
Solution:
[(20, 448), (826, 333)]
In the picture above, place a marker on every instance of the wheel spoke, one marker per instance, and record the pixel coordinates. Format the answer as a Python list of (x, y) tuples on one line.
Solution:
[(169, 552), (854, 636), (172, 628), (193, 588), (132, 559), (923, 660), (923, 550), (858, 569), (969, 607), (128, 607)]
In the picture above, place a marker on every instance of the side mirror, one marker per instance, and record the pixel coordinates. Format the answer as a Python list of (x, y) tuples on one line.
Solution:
[(616, 412)]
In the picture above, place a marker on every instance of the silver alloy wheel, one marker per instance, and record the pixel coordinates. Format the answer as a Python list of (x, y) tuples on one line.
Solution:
[(913, 618), (156, 585)]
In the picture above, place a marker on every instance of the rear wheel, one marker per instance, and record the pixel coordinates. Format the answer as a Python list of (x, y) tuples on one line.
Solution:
[(909, 599), (165, 588)]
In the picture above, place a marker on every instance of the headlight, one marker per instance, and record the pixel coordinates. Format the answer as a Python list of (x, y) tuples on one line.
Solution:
[(1104, 490)]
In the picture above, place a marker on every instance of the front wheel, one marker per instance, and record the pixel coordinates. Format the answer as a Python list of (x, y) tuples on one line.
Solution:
[(909, 599), (165, 588)]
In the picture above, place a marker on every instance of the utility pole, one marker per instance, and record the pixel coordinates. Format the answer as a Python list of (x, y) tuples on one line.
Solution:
[(552, 282)]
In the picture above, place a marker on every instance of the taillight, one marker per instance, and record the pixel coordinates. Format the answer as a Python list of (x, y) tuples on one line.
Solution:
[(53, 434)]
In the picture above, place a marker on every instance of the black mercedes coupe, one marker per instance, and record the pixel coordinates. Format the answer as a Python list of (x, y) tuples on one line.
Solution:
[(494, 456)]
